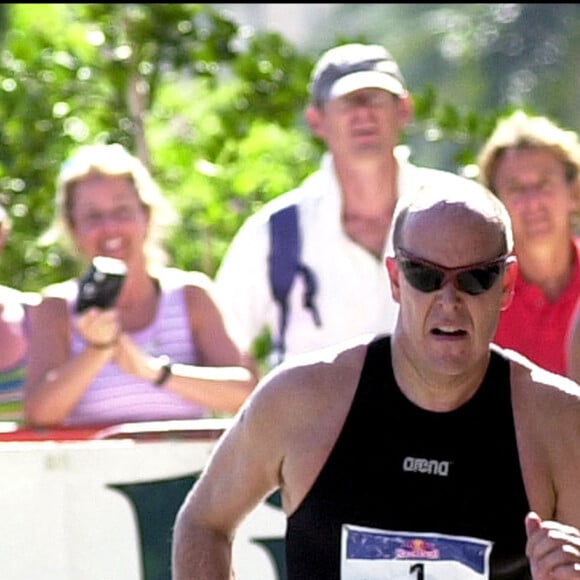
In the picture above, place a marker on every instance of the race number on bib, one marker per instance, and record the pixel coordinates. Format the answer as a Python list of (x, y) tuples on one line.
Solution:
[(371, 554)]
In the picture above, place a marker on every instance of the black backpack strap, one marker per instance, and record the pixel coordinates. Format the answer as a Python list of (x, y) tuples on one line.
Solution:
[(284, 264)]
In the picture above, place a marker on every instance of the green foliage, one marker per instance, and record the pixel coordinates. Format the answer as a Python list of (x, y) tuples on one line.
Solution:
[(230, 147), (215, 112), (445, 123), (214, 115)]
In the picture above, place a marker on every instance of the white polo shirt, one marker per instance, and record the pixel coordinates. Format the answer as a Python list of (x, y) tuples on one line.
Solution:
[(353, 295)]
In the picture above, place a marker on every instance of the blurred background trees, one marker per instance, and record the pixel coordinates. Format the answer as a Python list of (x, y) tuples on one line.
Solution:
[(215, 108)]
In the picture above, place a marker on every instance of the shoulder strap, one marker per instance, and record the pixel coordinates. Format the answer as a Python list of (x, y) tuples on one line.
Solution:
[(284, 264), (284, 251)]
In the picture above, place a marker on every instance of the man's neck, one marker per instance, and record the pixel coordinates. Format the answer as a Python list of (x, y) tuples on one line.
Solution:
[(369, 196), (425, 386)]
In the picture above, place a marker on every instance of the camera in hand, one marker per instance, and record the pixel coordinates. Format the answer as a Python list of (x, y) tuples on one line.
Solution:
[(101, 284)]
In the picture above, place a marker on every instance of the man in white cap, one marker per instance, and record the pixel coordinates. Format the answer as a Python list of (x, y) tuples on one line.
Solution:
[(359, 106)]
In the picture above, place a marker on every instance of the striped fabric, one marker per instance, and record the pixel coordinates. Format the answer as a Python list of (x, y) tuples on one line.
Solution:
[(15, 304), (117, 397), (11, 383)]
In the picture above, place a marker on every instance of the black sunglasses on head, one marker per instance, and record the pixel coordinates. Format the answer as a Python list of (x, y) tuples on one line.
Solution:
[(426, 276)]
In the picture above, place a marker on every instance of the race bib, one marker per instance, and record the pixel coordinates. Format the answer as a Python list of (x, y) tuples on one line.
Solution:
[(371, 554)]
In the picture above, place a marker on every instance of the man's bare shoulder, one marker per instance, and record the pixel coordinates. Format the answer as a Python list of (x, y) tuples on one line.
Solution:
[(547, 417), (541, 397), (292, 419), (540, 382), (304, 385)]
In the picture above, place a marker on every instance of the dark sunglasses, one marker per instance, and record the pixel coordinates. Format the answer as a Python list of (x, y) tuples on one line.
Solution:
[(427, 277)]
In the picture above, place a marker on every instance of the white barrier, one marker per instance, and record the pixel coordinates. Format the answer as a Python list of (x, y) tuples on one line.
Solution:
[(102, 509)]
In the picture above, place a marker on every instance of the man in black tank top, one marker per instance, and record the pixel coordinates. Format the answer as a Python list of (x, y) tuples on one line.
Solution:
[(430, 454)]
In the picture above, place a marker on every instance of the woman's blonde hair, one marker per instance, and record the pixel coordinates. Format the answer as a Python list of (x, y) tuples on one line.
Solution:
[(523, 131), (110, 160)]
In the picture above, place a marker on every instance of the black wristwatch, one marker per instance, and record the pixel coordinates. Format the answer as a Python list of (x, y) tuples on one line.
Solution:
[(164, 371)]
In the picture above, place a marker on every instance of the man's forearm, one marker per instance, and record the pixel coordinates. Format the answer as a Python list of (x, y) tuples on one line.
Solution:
[(200, 554)]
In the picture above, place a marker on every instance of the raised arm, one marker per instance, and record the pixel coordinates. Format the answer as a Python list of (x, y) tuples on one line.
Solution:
[(56, 379), (244, 468), (280, 439), (548, 411)]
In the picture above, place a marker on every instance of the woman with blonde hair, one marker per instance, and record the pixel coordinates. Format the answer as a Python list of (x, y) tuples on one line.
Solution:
[(163, 350)]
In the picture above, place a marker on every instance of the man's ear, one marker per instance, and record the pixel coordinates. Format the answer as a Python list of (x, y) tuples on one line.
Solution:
[(509, 282), (313, 117), (393, 271), (405, 108)]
